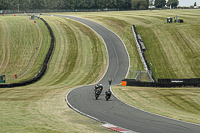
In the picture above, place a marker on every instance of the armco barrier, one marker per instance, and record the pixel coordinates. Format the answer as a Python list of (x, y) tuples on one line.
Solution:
[(133, 82), (142, 55), (44, 66)]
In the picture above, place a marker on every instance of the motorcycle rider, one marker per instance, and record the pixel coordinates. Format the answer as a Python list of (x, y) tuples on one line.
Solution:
[(100, 86), (110, 81), (98, 89), (96, 86), (108, 94), (97, 93)]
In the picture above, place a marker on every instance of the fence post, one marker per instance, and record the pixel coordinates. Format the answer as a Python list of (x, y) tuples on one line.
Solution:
[(138, 75)]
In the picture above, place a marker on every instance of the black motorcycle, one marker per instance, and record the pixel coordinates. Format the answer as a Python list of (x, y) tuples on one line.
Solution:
[(97, 93), (108, 95)]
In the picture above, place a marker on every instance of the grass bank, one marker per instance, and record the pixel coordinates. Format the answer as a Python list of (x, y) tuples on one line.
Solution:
[(19, 38), (41, 107)]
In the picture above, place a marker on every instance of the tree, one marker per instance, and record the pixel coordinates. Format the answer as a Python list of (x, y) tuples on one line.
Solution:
[(127, 4), (195, 4), (2, 5), (123, 4), (139, 4), (103, 3), (160, 3), (173, 3), (71, 4), (147, 4), (37, 4)]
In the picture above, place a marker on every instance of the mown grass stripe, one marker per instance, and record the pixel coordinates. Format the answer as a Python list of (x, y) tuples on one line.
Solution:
[(20, 45), (5, 46)]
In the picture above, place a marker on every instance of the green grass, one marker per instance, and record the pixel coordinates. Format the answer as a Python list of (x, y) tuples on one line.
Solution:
[(20, 37), (90, 52)]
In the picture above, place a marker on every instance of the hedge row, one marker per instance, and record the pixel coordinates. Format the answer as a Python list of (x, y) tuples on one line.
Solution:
[(44, 66)]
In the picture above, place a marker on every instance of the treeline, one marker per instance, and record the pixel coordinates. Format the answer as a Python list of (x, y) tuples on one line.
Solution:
[(84, 4), (69, 4)]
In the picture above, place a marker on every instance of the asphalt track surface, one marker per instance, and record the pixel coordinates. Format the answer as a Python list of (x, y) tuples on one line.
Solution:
[(114, 111)]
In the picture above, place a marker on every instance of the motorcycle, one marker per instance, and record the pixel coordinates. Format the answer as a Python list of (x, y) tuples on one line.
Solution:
[(108, 95), (98, 89), (97, 93)]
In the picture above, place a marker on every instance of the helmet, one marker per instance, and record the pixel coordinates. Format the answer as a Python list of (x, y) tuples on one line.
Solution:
[(100, 84), (96, 85)]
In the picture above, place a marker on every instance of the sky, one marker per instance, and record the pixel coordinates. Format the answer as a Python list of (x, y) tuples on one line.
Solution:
[(188, 2)]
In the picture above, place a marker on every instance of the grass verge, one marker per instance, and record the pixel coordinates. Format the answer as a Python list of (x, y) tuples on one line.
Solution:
[(177, 103)]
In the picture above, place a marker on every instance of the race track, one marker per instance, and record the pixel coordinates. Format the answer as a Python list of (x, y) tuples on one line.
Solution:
[(114, 111)]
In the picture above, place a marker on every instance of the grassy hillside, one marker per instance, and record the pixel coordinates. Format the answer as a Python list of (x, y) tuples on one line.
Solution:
[(41, 107), (171, 48)]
